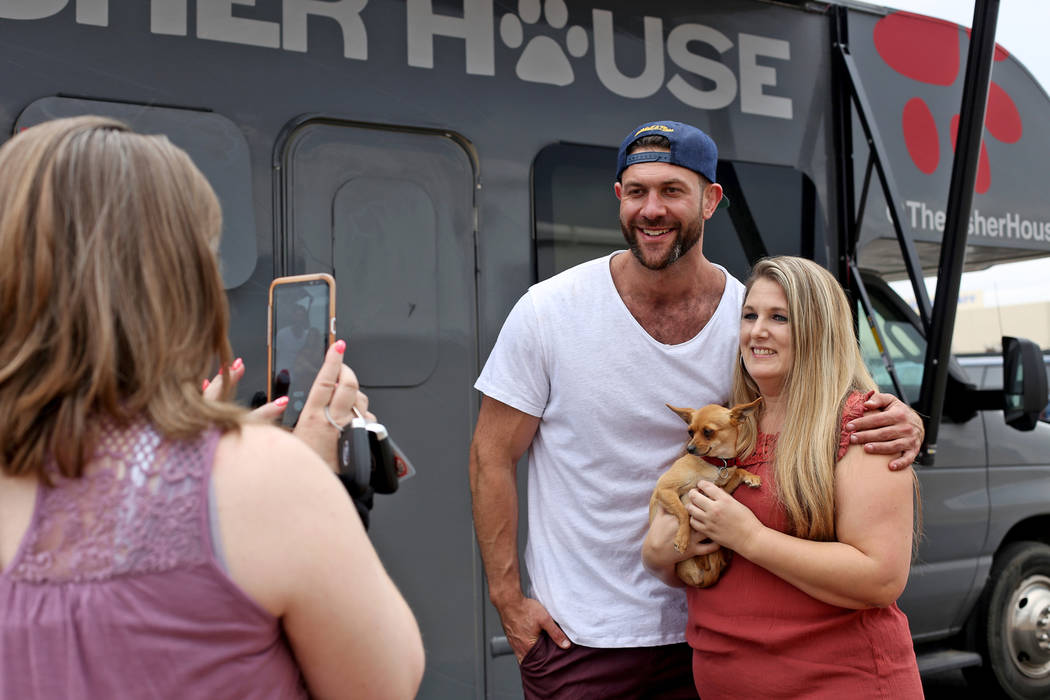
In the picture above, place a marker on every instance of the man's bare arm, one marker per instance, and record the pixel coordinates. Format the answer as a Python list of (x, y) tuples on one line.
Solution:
[(500, 439)]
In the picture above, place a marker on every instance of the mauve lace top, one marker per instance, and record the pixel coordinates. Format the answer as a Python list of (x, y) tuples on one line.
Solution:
[(116, 590)]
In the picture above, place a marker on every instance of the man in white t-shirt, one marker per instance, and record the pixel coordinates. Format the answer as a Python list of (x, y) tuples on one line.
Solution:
[(579, 377)]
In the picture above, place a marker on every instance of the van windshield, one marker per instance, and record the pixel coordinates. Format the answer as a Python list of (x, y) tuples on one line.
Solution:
[(903, 342)]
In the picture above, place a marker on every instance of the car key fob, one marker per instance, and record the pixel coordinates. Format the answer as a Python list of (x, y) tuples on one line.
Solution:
[(354, 454)]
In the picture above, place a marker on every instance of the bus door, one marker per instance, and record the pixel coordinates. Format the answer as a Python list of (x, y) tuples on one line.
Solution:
[(390, 213)]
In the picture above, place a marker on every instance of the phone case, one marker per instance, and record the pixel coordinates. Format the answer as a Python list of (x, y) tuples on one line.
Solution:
[(295, 280)]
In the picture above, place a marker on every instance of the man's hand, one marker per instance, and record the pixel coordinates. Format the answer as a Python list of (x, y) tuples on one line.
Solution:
[(523, 621), (501, 437), (888, 427)]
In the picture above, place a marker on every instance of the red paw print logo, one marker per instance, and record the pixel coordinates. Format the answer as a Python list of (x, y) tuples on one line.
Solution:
[(928, 51)]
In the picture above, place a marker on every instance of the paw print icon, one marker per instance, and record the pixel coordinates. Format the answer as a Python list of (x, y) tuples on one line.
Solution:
[(927, 51), (543, 60)]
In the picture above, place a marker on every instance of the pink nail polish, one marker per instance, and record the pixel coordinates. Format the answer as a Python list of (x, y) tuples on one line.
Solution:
[(204, 384), (237, 364), (283, 401), (340, 346)]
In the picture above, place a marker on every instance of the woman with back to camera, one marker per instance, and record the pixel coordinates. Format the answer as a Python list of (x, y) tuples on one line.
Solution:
[(155, 543), (806, 608)]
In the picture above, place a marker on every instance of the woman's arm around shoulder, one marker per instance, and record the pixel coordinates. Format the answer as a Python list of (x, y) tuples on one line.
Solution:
[(294, 542)]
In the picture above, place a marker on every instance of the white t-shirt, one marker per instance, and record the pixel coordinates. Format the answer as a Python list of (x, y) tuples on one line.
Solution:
[(572, 354)]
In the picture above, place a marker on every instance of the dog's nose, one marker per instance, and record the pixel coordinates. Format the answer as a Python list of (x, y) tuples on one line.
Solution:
[(691, 449)]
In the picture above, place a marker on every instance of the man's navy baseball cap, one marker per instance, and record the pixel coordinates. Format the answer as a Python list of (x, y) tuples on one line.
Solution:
[(690, 148)]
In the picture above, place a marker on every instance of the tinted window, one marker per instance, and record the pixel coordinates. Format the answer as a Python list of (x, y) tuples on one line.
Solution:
[(575, 211), (215, 145)]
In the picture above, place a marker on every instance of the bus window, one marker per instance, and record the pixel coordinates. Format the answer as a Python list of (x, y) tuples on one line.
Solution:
[(214, 143)]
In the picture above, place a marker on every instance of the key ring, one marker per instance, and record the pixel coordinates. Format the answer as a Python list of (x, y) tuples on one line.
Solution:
[(328, 417), (335, 425)]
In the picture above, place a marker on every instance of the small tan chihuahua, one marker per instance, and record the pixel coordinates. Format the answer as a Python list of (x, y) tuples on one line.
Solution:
[(718, 436)]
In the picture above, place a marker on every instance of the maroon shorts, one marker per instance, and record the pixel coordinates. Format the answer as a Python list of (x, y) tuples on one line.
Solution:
[(582, 673)]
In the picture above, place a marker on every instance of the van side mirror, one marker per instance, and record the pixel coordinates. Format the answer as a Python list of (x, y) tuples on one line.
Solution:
[(1024, 383)]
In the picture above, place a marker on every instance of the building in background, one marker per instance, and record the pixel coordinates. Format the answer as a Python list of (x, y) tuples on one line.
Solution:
[(976, 322)]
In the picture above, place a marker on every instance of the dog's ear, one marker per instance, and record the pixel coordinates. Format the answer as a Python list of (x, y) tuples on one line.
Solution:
[(739, 413), (747, 436), (685, 414)]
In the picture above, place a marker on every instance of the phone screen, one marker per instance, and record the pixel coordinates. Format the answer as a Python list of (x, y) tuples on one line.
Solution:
[(300, 327)]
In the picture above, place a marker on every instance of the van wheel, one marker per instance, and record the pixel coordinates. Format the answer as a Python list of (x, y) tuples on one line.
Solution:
[(1013, 623)]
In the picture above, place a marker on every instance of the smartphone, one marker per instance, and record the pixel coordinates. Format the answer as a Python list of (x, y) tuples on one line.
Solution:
[(300, 327)]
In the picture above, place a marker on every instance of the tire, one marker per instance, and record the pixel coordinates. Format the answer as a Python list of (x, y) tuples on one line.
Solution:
[(1013, 624)]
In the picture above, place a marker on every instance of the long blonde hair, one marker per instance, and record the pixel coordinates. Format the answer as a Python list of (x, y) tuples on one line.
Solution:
[(111, 303), (828, 367)]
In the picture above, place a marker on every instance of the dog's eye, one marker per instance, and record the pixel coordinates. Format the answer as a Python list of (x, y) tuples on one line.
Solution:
[(690, 432), (708, 433)]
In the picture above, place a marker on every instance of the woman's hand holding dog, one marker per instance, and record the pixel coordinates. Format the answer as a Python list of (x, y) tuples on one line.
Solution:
[(716, 514), (658, 552)]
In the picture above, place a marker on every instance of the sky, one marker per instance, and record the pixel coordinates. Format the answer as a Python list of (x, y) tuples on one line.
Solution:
[(1021, 29)]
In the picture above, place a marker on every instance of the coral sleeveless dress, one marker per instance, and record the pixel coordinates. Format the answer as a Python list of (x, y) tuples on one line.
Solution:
[(756, 636)]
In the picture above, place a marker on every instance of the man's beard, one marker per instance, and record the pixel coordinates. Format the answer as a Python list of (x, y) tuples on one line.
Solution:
[(687, 238)]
